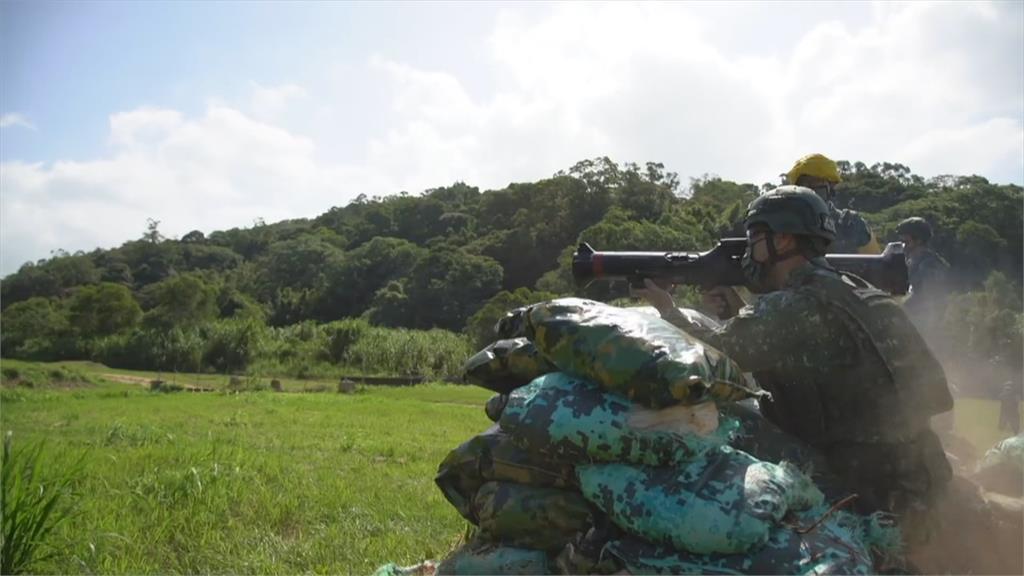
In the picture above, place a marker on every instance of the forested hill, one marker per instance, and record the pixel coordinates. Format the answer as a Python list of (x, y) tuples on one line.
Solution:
[(434, 260)]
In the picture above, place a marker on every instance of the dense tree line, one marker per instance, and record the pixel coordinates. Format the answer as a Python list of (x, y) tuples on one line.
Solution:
[(455, 258)]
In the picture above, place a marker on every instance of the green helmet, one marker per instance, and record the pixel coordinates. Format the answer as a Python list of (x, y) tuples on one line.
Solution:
[(915, 227), (792, 210)]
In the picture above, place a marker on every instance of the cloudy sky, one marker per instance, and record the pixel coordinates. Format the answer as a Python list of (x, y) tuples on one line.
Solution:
[(210, 115)]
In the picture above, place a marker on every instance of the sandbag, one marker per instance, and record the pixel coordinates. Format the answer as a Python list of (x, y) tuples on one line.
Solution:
[(643, 358), (495, 406), (699, 318), (767, 442), (833, 547), (571, 420), (506, 365), (485, 558), (494, 456), (726, 502), (530, 516), (1002, 468)]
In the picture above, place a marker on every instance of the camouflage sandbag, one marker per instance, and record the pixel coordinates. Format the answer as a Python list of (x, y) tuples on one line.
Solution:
[(506, 365), (495, 406), (1009, 450), (425, 568), (643, 358), (699, 318), (1002, 468), (769, 443), (726, 502), (494, 456), (486, 558), (530, 516), (832, 547), (571, 420)]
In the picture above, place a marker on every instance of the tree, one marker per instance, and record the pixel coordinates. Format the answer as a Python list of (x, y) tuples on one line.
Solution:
[(36, 319), (446, 287), (181, 301), (102, 310)]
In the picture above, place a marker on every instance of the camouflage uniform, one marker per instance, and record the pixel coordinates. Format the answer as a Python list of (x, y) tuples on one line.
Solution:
[(927, 272), (853, 235), (859, 390)]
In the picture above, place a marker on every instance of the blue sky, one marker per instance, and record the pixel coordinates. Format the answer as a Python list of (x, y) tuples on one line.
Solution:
[(210, 115)]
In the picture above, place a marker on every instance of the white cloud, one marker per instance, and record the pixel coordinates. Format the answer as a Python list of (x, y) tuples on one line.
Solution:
[(14, 119), (220, 170), (269, 102), (912, 83)]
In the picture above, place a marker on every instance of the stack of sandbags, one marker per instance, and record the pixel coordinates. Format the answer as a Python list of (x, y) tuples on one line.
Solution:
[(611, 453)]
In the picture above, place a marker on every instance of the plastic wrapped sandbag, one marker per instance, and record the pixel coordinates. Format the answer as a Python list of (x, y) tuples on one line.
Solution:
[(494, 456), (1002, 468), (699, 318), (643, 358), (834, 546), (530, 516), (482, 558), (495, 406), (571, 420), (506, 365), (726, 502)]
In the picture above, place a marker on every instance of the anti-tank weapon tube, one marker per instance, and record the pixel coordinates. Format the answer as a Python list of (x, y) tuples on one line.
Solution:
[(720, 266)]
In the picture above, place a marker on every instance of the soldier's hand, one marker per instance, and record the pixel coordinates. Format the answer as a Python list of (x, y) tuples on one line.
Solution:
[(723, 301), (655, 294)]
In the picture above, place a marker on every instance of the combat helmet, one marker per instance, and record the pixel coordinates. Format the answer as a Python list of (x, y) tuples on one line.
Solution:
[(816, 165), (792, 210), (915, 227)]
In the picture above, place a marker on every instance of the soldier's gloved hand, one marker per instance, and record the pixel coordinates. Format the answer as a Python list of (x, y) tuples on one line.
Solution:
[(655, 294), (723, 301)]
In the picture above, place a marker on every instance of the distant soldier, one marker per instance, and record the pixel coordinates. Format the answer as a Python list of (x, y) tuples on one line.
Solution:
[(1009, 407), (820, 173), (928, 276)]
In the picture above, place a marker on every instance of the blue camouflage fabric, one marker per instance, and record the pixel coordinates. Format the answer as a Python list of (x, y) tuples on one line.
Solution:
[(838, 545), (530, 516), (727, 502), (1009, 450), (479, 557), (506, 365), (638, 356), (569, 419), (853, 235), (849, 375)]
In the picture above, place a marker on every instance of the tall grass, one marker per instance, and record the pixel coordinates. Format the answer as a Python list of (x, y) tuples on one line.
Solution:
[(32, 504)]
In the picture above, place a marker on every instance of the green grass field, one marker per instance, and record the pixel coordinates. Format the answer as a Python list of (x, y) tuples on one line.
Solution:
[(251, 482), (262, 482)]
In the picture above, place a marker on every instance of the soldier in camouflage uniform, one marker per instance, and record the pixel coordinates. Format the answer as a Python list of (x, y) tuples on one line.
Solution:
[(928, 274), (847, 371), (820, 173)]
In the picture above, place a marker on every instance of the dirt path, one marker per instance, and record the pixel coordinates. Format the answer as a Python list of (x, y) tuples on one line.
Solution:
[(145, 382)]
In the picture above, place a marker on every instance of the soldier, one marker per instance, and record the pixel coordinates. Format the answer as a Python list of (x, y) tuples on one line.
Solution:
[(847, 371), (820, 173), (928, 275)]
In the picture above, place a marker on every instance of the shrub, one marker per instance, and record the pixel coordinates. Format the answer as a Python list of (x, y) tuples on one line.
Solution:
[(33, 505)]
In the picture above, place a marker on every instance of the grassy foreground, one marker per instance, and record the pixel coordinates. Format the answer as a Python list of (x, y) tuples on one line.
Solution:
[(259, 482), (249, 483)]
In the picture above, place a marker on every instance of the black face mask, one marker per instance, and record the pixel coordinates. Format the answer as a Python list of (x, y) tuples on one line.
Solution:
[(755, 272)]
